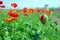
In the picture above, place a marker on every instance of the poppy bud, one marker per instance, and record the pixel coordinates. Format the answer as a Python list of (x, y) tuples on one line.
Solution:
[(49, 12), (44, 18)]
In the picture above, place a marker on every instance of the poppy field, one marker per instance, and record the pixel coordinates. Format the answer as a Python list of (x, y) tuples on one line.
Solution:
[(27, 27), (27, 24)]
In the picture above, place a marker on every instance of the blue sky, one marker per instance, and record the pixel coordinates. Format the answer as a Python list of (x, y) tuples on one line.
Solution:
[(31, 3)]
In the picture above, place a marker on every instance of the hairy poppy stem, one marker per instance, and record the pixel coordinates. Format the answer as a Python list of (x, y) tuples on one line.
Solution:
[(42, 36)]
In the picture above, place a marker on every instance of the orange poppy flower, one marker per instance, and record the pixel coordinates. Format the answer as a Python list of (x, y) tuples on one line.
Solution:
[(31, 10), (49, 12), (1, 2), (8, 19), (14, 5)]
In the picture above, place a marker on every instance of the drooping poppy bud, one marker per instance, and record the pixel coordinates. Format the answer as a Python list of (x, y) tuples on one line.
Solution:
[(44, 18), (14, 5), (1, 2)]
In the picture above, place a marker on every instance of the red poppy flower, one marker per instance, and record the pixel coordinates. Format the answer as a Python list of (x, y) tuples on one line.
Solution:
[(13, 14), (14, 5), (24, 10), (1, 2), (2, 6), (38, 10)]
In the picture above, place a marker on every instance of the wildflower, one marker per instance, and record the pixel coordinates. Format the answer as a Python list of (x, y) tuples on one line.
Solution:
[(24, 10), (31, 10), (2, 6), (38, 10), (13, 14), (49, 12), (8, 19), (44, 18), (14, 5), (1, 2)]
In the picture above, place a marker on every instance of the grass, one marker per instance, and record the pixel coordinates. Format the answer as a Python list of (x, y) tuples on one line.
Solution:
[(27, 28), (57, 14)]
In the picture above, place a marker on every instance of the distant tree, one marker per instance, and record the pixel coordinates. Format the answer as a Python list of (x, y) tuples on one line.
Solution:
[(52, 8)]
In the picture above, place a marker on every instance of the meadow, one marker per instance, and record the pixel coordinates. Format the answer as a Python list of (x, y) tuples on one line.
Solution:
[(28, 27)]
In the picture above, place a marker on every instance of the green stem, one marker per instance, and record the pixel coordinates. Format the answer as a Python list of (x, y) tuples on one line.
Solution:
[(42, 36)]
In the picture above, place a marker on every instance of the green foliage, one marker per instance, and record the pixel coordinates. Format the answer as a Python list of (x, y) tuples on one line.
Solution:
[(27, 28)]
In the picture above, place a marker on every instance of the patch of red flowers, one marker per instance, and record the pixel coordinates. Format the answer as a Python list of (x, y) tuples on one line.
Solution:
[(13, 14), (48, 11), (2, 6)]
